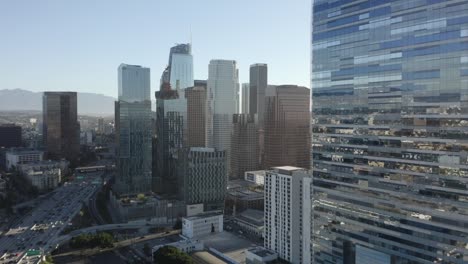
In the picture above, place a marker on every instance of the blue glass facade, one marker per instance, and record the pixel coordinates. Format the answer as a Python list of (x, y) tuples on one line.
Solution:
[(390, 129)]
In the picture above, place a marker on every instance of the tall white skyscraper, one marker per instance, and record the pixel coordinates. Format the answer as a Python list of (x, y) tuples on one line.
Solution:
[(134, 83), (222, 104), (245, 98), (288, 211)]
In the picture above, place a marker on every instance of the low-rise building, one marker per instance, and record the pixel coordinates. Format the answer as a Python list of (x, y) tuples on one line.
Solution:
[(257, 177), (260, 255), (243, 199), (44, 179), (63, 165), (202, 225), (250, 221), (188, 246), (14, 157), (206, 257), (147, 208)]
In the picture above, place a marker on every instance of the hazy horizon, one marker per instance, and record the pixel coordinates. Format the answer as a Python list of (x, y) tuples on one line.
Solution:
[(77, 46)]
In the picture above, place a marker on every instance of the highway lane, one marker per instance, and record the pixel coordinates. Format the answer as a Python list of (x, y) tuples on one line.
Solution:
[(39, 228)]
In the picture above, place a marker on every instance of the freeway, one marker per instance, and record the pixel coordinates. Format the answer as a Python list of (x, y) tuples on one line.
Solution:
[(39, 228), (94, 211)]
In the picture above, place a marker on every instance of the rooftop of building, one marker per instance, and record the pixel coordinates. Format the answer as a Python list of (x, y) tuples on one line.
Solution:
[(253, 214), (23, 151), (206, 257), (180, 242), (229, 245), (44, 162), (247, 194), (253, 217), (36, 172), (202, 149), (287, 170), (60, 93), (122, 65), (240, 184), (261, 251), (259, 64), (204, 215), (10, 125), (257, 172)]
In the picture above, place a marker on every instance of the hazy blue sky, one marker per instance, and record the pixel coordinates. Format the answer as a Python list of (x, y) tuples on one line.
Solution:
[(77, 45)]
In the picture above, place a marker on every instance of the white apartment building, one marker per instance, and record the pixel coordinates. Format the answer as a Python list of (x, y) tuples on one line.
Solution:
[(288, 209), (222, 103), (19, 156)]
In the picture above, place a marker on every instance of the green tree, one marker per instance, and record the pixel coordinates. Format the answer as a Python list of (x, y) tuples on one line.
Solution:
[(102, 240), (171, 255)]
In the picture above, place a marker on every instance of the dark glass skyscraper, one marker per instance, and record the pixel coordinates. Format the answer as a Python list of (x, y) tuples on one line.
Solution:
[(10, 135), (244, 145), (61, 130), (390, 130), (169, 137)]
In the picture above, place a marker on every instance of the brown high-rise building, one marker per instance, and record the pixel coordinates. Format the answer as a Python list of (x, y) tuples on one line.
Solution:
[(61, 130), (287, 120), (196, 112), (244, 145)]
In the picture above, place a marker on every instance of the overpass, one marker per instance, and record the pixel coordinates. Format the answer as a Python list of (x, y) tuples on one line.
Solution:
[(99, 228), (117, 245)]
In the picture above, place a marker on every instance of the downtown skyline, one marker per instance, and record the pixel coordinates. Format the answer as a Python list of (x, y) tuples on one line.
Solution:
[(72, 56)]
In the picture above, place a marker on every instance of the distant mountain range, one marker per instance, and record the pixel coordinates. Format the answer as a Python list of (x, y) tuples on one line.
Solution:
[(88, 103)]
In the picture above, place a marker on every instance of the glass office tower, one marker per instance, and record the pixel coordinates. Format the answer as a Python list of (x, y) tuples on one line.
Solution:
[(133, 130), (390, 131)]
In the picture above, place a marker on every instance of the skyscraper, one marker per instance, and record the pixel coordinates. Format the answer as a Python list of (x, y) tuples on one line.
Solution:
[(133, 130), (171, 117), (258, 86), (287, 118), (389, 127), (179, 71), (101, 127), (244, 142), (288, 207), (196, 115), (10, 136), (201, 177), (245, 98), (61, 130), (222, 103), (169, 139)]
